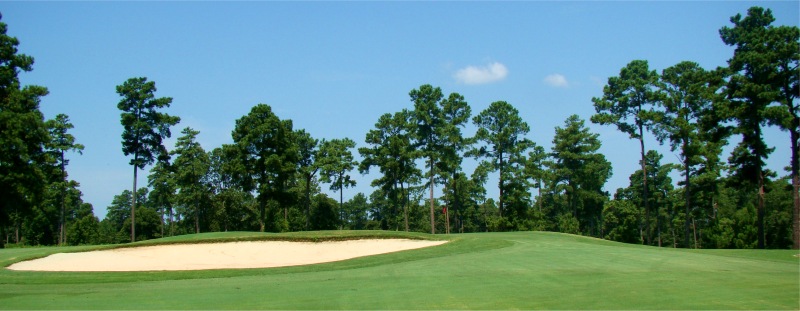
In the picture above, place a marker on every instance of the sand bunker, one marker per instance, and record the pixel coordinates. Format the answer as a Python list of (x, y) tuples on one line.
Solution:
[(236, 255)]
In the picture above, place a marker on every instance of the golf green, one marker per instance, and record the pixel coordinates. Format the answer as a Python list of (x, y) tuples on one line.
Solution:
[(521, 270)]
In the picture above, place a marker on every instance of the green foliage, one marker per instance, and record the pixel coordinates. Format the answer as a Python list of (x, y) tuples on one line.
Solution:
[(324, 213), (162, 181), (427, 121), (85, 229), (765, 79), (118, 215), (144, 128), (335, 161), (692, 123), (269, 157), (391, 150), (22, 136), (355, 211), (60, 140), (148, 224), (192, 165), (778, 218), (621, 221), (759, 73), (502, 132), (307, 167), (628, 102), (231, 206), (578, 172)]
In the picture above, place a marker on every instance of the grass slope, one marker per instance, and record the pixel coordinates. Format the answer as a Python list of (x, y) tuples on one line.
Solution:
[(523, 270)]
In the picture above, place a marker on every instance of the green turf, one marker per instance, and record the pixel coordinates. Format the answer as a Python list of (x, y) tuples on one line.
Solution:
[(524, 270)]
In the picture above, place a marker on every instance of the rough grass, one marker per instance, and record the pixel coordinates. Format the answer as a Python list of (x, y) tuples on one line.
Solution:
[(525, 270)]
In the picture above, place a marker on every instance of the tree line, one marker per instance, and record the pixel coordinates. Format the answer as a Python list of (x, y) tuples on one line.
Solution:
[(270, 177)]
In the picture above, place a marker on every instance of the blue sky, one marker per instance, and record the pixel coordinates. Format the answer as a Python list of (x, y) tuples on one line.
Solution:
[(335, 67)]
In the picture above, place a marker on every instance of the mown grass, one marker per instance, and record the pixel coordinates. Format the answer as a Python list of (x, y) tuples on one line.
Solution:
[(522, 270)]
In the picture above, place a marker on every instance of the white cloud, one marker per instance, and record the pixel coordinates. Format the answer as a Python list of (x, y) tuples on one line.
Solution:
[(556, 80), (480, 75)]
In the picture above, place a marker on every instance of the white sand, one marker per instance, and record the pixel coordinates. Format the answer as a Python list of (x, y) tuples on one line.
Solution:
[(237, 255)]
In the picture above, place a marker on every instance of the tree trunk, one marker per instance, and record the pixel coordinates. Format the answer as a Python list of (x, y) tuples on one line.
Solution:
[(225, 216), (687, 194), (262, 217), (644, 187), (485, 223), (62, 237), (694, 229), (133, 202), (658, 224), (162, 221), (795, 135), (761, 208), (341, 200), (171, 217), (455, 200), (433, 220), (539, 192), (405, 205), (796, 212), (500, 185), (308, 201), (446, 220), (196, 219)]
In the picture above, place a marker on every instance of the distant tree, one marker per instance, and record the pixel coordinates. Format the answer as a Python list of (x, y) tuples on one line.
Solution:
[(516, 195), (268, 156), (356, 212), (22, 136), (191, 167), (308, 166), (503, 132), (118, 213), (788, 78), (581, 173), (60, 143), (765, 64), (621, 221), (162, 181), (455, 115), (690, 121), (660, 184), (763, 71), (336, 160), (148, 226), (535, 169), (144, 128), (230, 201), (323, 216), (628, 102), (427, 120), (391, 150), (86, 227)]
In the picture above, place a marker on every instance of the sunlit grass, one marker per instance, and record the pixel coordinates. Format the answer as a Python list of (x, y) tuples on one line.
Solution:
[(524, 270)]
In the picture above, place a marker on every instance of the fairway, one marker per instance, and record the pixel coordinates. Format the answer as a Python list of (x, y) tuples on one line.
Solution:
[(521, 270)]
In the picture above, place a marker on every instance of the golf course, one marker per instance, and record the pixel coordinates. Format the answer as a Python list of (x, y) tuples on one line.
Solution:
[(519, 270)]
